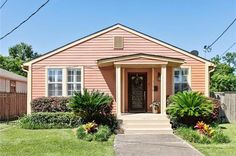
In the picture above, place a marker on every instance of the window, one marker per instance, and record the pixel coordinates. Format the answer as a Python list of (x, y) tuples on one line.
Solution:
[(55, 82), (12, 86), (181, 79), (73, 80)]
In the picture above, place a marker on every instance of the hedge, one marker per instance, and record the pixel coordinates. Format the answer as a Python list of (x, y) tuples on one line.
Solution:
[(47, 120), (50, 104)]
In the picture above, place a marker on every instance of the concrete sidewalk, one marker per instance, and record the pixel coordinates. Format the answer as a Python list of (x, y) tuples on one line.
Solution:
[(153, 145)]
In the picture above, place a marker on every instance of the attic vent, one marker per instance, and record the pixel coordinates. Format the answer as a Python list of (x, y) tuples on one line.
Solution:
[(118, 42)]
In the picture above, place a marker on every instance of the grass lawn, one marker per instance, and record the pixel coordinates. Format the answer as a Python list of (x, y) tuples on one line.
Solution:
[(221, 149), (17, 142)]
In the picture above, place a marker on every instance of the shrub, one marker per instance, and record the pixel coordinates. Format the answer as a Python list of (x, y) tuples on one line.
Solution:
[(103, 133), (92, 106), (50, 104), (46, 120), (189, 107), (216, 111)]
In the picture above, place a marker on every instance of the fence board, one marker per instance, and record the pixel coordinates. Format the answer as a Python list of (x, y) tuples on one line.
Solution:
[(12, 105), (228, 106)]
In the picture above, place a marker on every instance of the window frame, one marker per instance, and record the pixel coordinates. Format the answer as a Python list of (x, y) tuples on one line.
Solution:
[(74, 77), (47, 81), (189, 77), (64, 78)]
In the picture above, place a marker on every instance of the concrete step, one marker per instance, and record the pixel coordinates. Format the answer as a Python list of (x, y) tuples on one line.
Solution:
[(147, 121), (148, 131), (143, 117), (146, 125)]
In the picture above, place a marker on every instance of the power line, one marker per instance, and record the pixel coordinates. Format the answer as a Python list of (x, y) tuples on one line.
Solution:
[(208, 48), (3, 4), (24, 20), (229, 48)]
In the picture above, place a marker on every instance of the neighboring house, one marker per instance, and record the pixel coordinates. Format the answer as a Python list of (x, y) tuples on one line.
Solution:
[(134, 68), (11, 82)]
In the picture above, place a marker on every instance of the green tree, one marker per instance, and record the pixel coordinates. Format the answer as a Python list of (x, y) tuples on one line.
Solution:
[(18, 54), (223, 78)]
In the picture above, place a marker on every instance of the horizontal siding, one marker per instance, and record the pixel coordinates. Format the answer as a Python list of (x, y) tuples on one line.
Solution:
[(87, 53)]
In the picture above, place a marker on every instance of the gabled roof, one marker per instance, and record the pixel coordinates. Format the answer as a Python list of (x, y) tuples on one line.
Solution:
[(150, 38), (155, 58)]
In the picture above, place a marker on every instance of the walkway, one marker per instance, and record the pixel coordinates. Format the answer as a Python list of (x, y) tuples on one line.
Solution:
[(153, 145)]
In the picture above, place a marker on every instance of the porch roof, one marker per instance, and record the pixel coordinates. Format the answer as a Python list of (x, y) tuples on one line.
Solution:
[(140, 59)]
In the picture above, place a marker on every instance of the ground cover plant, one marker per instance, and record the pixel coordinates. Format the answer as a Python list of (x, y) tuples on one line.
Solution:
[(203, 133)]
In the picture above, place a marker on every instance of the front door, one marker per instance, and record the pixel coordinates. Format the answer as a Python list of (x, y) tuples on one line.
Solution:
[(137, 92)]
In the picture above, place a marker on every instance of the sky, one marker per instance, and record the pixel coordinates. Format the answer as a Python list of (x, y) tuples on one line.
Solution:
[(188, 24)]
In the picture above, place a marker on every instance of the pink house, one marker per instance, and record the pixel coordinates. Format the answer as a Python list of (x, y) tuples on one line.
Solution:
[(134, 68)]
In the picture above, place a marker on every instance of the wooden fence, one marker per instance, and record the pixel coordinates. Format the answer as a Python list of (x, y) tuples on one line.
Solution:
[(12, 105), (228, 106)]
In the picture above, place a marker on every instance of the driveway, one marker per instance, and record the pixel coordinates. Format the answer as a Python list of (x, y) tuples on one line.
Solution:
[(153, 145)]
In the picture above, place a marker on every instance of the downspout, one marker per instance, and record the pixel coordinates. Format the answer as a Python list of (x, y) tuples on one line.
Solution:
[(28, 71)]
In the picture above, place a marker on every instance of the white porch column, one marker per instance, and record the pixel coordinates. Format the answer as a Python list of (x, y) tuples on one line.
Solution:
[(163, 89), (118, 90)]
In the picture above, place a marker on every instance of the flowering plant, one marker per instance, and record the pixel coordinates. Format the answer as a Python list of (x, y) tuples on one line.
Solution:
[(204, 129), (90, 127)]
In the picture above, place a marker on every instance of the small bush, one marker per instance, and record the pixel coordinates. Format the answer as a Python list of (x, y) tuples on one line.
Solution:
[(189, 107), (45, 120), (94, 106), (50, 104), (103, 133)]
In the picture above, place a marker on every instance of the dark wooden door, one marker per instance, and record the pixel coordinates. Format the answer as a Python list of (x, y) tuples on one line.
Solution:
[(137, 92)]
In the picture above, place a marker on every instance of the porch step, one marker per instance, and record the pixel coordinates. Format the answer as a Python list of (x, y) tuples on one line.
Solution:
[(148, 131), (147, 123)]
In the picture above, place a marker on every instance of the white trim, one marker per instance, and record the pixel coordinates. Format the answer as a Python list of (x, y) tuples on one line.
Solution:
[(153, 72), (137, 56), (64, 78), (207, 80), (112, 28), (163, 89), (189, 76), (64, 81), (29, 90), (118, 90), (123, 89)]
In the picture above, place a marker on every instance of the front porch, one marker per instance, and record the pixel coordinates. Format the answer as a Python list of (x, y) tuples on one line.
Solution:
[(140, 80)]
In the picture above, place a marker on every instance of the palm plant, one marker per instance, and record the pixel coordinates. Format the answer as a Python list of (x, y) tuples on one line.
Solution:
[(91, 105), (189, 107)]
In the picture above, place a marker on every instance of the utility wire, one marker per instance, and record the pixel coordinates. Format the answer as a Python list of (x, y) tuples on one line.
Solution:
[(3, 4), (208, 48), (229, 48), (24, 20)]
